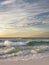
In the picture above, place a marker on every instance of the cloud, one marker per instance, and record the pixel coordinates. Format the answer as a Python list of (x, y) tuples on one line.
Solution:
[(6, 2), (24, 14)]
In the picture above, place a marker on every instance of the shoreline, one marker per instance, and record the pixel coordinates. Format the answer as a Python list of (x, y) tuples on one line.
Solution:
[(42, 61)]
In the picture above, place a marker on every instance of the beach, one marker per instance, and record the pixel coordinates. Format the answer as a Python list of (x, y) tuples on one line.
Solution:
[(44, 61), (35, 61)]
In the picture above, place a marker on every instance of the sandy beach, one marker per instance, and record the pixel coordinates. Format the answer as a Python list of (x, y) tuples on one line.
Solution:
[(41, 61)]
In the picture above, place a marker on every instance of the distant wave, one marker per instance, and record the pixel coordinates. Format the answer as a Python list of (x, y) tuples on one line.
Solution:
[(21, 41)]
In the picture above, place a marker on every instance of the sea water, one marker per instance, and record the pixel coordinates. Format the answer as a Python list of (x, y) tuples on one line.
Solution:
[(17, 47)]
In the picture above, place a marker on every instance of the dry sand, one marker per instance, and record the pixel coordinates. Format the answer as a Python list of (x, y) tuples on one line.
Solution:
[(42, 61)]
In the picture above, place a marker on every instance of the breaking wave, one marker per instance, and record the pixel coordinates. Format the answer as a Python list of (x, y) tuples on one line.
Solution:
[(21, 51), (10, 43)]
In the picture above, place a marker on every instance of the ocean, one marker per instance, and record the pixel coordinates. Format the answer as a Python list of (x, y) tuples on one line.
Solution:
[(23, 48)]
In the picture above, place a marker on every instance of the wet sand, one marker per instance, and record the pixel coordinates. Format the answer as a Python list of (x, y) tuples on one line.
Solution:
[(42, 61)]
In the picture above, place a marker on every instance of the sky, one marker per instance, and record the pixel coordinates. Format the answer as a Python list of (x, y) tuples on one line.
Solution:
[(24, 18)]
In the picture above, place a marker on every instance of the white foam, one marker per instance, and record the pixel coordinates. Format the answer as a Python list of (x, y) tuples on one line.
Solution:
[(9, 43), (33, 51)]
